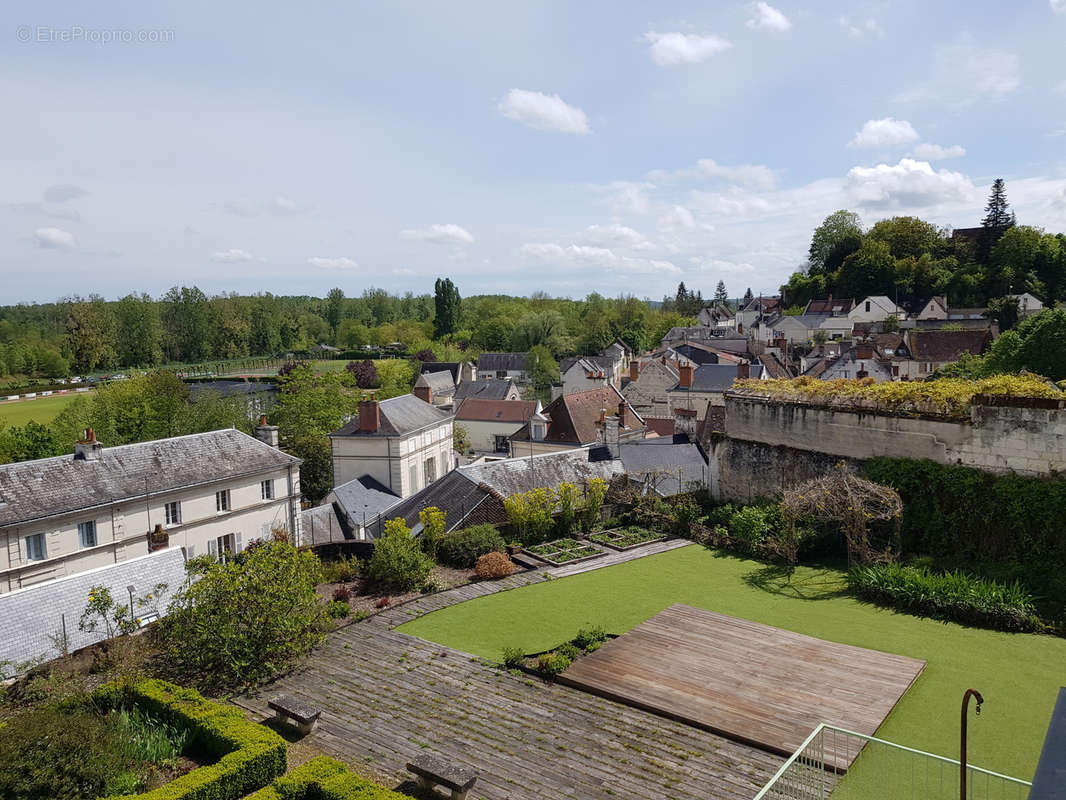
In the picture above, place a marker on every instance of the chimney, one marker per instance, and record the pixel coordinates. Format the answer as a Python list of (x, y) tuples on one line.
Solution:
[(622, 413), (369, 415), (158, 539), (743, 370), (634, 369), (267, 434), (557, 391), (610, 435), (685, 372), (424, 393), (685, 422), (864, 350), (88, 449)]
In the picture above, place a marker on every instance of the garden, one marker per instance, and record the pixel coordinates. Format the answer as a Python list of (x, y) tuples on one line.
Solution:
[(564, 551)]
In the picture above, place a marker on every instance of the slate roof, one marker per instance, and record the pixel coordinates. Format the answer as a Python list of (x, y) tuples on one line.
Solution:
[(228, 388), (512, 475), (575, 417), (399, 416), (944, 345), (451, 367), (364, 497), (440, 383), (675, 460), (591, 364), (701, 333), (717, 377), (831, 305), (464, 502), (49, 486), (502, 362), (476, 409), (488, 389)]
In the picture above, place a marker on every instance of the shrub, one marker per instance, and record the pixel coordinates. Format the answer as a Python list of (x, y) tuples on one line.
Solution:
[(551, 664), (749, 526), (568, 650), (324, 778), (432, 519), (513, 657), (338, 609), (345, 568), (949, 595), (243, 622), (685, 511), (590, 636), (249, 755), (462, 549), (494, 565), (342, 594), (398, 561)]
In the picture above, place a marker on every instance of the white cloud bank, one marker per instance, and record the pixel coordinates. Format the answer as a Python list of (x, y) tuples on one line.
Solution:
[(339, 262), (879, 134), (672, 49), (547, 112), (448, 233), (768, 18), (54, 239), (908, 184)]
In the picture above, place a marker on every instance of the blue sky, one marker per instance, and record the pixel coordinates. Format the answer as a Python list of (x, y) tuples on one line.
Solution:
[(558, 146)]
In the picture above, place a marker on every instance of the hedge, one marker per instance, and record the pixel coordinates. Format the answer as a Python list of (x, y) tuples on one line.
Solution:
[(324, 778), (462, 549), (965, 515), (249, 755)]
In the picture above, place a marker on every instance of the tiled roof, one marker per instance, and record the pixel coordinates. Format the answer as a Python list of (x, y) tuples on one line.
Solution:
[(575, 417), (489, 389), (399, 416), (440, 383), (364, 497), (591, 364), (774, 367), (476, 409), (661, 426), (832, 305), (451, 367), (717, 377), (947, 345), (462, 500), (48, 486), (502, 362)]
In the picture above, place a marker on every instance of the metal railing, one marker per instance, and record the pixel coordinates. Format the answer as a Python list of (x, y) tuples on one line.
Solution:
[(845, 765)]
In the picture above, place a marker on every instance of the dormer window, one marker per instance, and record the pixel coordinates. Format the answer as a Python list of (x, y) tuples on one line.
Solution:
[(539, 431)]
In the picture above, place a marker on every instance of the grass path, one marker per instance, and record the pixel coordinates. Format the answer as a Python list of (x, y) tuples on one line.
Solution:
[(40, 409), (1018, 674)]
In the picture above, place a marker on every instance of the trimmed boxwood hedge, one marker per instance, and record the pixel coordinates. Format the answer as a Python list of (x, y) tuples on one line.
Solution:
[(249, 755), (324, 778)]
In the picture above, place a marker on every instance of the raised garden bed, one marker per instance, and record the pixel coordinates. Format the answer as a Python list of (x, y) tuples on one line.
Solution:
[(565, 551), (626, 538)]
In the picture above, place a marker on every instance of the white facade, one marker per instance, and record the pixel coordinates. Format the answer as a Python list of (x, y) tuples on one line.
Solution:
[(875, 308), (406, 464)]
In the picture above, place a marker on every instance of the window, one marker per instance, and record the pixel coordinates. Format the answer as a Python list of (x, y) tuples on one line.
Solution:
[(224, 546), (502, 443), (222, 500), (429, 469), (867, 306), (173, 511), (266, 489), (87, 534), (413, 478), (35, 548)]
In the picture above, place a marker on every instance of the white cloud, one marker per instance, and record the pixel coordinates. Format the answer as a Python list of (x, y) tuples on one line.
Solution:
[(908, 184), (768, 18), (879, 134), (1058, 6), (614, 235), (339, 262), (717, 265), (547, 112), (753, 176), (676, 219), (61, 193), (54, 239), (928, 151), (576, 255), (447, 233), (628, 198), (861, 28), (964, 72), (232, 256), (671, 49)]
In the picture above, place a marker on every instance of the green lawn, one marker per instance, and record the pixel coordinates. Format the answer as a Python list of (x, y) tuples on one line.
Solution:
[(41, 409), (1018, 674)]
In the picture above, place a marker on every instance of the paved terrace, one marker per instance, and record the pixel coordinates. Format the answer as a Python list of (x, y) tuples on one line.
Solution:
[(387, 697)]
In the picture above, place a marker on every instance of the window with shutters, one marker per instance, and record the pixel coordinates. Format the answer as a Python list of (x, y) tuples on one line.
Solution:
[(222, 500), (266, 489)]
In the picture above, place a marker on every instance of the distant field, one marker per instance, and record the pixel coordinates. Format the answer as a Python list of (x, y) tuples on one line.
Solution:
[(41, 409)]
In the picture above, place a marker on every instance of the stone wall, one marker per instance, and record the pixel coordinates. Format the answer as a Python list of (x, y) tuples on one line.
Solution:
[(1029, 441)]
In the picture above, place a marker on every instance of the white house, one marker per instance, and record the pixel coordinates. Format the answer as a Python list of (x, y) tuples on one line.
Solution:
[(207, 493), (503, 365), (1028, 304), (876, 308), (489, 424), (403, 443), (584, 373)]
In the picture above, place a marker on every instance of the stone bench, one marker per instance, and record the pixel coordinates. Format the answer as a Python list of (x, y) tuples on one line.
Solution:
[(289, 708), (432, 771)]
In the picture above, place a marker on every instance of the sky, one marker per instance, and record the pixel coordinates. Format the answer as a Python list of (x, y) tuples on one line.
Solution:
[(615, 147)]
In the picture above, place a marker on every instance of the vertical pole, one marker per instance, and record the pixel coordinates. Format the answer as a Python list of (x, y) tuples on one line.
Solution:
[(962, 744)]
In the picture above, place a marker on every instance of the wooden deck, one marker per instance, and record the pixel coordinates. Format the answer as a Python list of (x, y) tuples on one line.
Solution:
[(749, 682), (387, 697)]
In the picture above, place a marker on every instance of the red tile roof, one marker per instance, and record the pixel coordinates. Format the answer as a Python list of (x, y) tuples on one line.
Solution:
[(475, 409)]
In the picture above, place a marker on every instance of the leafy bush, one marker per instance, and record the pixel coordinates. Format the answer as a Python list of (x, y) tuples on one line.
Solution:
[(551, 664), (587, 637), (463, 548), (342, 594), (513, 657), (685, 512), (749, 526), (249, 755), (568, 650), (324, 778), (243, 622), (432, 519), (398, 561), (950, 596), (338, 609), (345, 568), (494, 565)]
